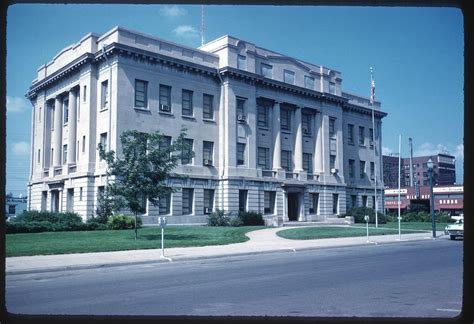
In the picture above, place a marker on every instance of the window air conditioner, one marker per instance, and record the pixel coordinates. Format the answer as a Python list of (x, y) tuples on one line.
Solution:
[(311, 210), (208, 162), (306, 131), (334, 170), (207, 210), (241, 118), (165, 108)]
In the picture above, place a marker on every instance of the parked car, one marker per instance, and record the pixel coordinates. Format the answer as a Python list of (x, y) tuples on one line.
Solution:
[(455, 230)]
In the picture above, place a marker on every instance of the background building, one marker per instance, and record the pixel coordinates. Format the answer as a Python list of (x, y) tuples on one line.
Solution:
[(444, 171), (14, 206), (270, 133)]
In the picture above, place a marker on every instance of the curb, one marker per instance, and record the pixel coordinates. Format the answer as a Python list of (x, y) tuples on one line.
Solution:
[(188, 258)]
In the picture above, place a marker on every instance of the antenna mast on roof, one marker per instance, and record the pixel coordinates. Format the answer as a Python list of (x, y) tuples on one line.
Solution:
[(203, 27)]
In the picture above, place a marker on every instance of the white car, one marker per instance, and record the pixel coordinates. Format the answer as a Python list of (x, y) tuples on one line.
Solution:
[(455, 230)]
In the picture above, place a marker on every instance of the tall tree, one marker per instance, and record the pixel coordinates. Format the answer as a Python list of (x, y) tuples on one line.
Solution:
[(141, 171)]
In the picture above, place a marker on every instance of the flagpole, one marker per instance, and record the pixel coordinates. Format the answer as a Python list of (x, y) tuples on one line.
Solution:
[(399, 173), (372, 101)]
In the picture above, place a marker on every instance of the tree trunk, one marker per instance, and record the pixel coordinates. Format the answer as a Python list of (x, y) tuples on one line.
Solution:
[(136, 232)]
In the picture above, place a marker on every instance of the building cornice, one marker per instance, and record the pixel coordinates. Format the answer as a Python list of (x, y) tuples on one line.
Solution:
[(54, 77), (363, 110)]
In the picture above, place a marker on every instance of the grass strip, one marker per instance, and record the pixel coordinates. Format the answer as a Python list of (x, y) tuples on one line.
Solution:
[(101, 241), (312, 233), (426, 226)]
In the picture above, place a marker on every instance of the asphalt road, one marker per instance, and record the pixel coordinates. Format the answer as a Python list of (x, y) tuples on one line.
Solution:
[(419, 279)]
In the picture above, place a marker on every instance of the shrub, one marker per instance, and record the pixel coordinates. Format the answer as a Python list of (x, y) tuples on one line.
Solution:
[(443, 217), (359, 213), (251, 218), (235, 221), (44, 221), (218, 218), (94, 224), (120, 221)]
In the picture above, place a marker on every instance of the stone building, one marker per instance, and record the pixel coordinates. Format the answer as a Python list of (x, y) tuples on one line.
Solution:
[(270, 133)]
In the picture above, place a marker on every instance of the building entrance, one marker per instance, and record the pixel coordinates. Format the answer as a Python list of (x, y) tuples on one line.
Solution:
[(293, 208)]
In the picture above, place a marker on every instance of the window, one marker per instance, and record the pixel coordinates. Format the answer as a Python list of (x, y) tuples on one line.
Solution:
[(335, 204), (371, 137), (70, 200), (39, 156), (187, 151), (142, 200), (11, 209), (313, 202), (372, 170), (351, 168), (52, 155), (80, 194), (207, 152), (241, 64), (269, 202), (188, 194), (361, 135), (83, 144), (65, 111), (39, 115), (332, 127), (207, 108), (208, 201), (309, 82), (103, 141), (362, 170), (353, 200), (350, 134), (240, 106), (285, 119), (289, 77), (262, 112), (165, 98), (364, 201), (373, 202), (141, 94), (306, 123), (332, 161), (286, 162), (84, 93), (104, 94), (332, 88), (52, 116), (242, 200), (267, 70), (64, 153), (165, 143), (240, 153), (187, 104), (264, 158), (308, 162), (164, 204)]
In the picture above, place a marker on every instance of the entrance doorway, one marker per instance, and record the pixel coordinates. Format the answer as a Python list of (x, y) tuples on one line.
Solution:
[(293, 208)]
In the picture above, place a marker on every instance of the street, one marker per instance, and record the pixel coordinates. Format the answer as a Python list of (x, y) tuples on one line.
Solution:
[(406, 279)]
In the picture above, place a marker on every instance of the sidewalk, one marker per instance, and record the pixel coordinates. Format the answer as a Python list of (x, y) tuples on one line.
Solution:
[(260, 241)]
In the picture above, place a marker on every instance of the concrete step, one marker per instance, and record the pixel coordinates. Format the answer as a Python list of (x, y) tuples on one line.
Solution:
[(328, 221)]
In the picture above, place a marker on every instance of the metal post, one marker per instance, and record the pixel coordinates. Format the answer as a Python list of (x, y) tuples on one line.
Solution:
[(162, 242), (399, 174), (433, 222)]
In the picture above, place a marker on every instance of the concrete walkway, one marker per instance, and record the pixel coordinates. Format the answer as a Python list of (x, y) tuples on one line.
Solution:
[(264, 240)]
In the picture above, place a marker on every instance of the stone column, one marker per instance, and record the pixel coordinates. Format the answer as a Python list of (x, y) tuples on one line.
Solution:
[(318, 150), (340, 147), (58, 131), (276, 137), (71, 143), (298, 141)]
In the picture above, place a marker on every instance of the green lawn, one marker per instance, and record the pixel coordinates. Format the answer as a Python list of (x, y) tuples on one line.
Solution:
[(408, 225), (311, 233), (101, 241)]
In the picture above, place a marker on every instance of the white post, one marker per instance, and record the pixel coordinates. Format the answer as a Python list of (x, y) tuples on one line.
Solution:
[(399, 172), (162, 242)]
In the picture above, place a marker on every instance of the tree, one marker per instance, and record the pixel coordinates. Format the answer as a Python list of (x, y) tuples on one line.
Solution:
[(141, 171)]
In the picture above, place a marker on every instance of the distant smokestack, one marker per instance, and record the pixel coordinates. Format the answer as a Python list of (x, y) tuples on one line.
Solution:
[(410, 144)]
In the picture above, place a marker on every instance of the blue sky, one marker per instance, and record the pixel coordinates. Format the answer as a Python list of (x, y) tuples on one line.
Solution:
[(416, 53)]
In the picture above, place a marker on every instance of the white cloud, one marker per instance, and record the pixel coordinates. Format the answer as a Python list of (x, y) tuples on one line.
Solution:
[(21, 148), (172, 11), (17, 104), (386, 150), (428, 148), (186, 31)]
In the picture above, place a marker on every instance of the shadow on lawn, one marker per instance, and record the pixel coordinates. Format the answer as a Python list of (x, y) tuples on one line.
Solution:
[(173, 237)]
